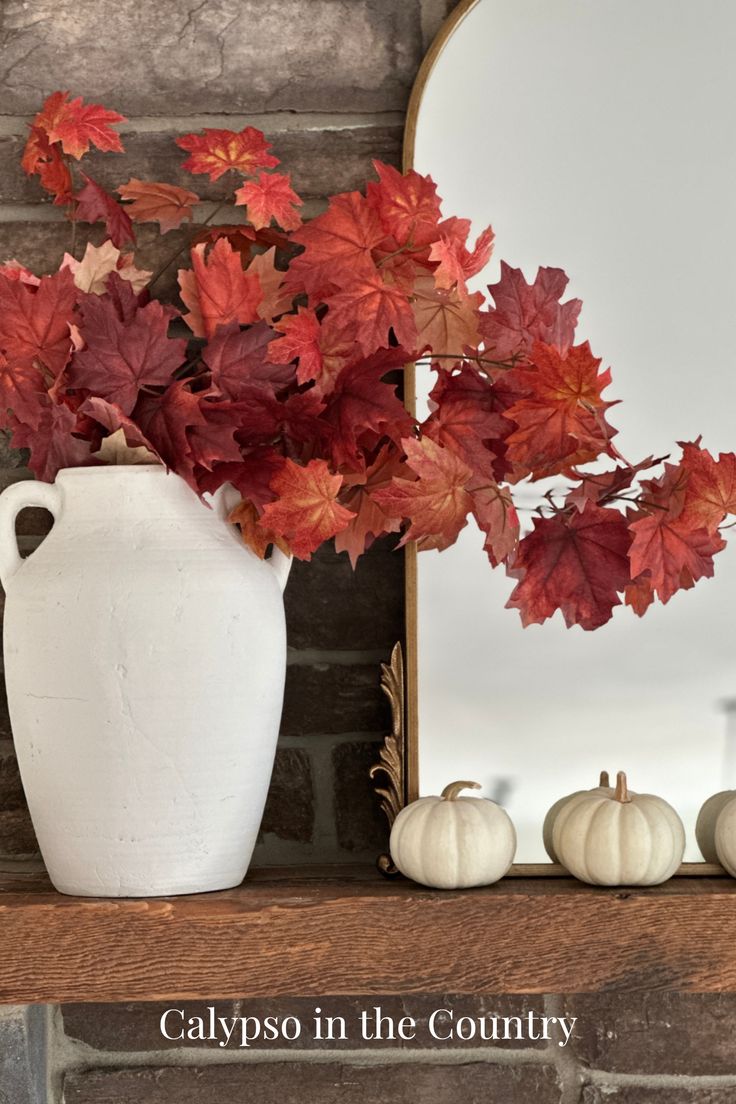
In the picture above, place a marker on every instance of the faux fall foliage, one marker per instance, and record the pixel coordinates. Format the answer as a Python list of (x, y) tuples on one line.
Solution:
[(285, 387)]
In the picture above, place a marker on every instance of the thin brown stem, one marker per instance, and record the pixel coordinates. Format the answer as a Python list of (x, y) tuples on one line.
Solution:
[(167, 265)]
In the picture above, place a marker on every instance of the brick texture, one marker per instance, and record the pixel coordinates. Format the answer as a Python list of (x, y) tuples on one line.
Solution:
[(220, 56), (284, 1083), (656, 1033)]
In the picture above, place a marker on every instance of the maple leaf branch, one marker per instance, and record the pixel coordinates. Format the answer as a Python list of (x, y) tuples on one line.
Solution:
[(506, 365), (73, 205)]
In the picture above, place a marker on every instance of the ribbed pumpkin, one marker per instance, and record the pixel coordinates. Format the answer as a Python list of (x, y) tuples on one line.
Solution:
[(725, 837), (604, 786), (622, 838), (453, 842), (705, 827)]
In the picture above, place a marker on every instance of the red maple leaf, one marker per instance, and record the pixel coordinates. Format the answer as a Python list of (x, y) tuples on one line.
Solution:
[(560, 422), (370, 520), (43, 159), (218, 290), (437, 502), (711, 485), (94, 204), (456, 263), (239, 359), (270, 197), (34, 321), (464, 417), (306, 511), (601, 486), (22, 393), (122, 356), (373, 310), (407, 205), (76, 125), (362, 406), (251, 476), (526, 313), (301, 341), (337, 246), (113, 418), (214, 152), (669, 543), (165, 204), (576, 562), (52, 442), (164, 421), (212, 441), (495, 513)]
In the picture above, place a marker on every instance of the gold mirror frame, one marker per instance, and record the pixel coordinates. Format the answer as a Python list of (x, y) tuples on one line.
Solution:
[(398, 764)]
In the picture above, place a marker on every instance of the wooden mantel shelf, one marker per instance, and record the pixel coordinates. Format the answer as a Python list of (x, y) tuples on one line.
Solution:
[(331, 931)]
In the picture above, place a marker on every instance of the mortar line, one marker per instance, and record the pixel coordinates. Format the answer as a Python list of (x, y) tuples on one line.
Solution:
[(79, 1056), (275, 122), (661, 1080), (570, 1073)]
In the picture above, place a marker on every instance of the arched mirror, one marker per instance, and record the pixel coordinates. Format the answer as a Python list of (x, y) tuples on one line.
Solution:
[(596, 136)]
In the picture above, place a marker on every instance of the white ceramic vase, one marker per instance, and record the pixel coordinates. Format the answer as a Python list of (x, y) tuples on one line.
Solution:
[(145, 654)]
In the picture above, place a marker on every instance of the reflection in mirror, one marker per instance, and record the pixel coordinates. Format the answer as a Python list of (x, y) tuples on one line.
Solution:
[(594, 135)]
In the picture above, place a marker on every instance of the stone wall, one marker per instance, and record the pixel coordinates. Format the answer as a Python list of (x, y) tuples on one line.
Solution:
[(328, 80)]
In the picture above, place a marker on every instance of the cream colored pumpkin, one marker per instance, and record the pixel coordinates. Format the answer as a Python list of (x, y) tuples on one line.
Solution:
[(603, 786), (705, 827), (725, 837), (453, 842), (621, 838)]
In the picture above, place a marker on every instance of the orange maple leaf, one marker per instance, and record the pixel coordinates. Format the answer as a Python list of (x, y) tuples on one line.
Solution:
[(217, 289), (446, 318), (255, 535), (306, 512), (270, 197), (76, 125), (711, 486), (300, 342), (407, 204), (370, 520), (337, 245), (670, 545), (214, 152), (456, 263), (437, 503), (373, 308), (165, 204), (560, 422)]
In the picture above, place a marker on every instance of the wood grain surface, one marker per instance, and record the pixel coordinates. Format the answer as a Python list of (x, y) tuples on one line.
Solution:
[(345, 931)]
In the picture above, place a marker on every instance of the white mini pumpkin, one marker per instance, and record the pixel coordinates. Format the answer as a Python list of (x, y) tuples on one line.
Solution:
[(604, 786), (453, 842), (622, 838), (705, 827), (725, 836)]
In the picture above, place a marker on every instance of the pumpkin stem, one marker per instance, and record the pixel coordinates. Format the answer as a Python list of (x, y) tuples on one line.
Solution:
[(622, 791), (451, 792), (604, 779)]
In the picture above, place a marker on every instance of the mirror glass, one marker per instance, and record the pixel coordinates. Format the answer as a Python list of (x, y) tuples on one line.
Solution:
[(596, 136)]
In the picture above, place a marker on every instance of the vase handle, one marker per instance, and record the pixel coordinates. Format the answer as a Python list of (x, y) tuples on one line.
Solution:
[(227, 498), (14, 499)]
